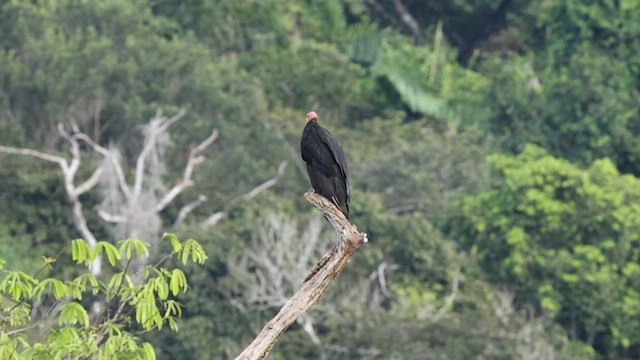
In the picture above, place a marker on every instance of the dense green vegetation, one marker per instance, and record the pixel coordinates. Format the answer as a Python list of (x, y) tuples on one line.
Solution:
[(493, 145)]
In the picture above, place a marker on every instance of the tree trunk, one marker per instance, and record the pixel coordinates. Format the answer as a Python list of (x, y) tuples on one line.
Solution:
[(330, 266)]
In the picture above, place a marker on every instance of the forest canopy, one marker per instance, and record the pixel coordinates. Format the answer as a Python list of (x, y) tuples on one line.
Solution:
[(493, 148)]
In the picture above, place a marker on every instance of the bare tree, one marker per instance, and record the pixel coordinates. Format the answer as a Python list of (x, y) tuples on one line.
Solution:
[(133, 208), (69, 171), (273, 264), (330, 266)]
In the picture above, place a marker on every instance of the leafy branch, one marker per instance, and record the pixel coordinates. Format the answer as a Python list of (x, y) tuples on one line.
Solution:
[(149, 304)]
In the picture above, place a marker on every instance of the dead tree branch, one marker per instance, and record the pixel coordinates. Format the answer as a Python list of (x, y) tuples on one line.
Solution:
[(347, 242), (187, 209), (194, 159), (219, 215), (134, 206), (69, 171), (158, 125), (408, 20), (267, 184)]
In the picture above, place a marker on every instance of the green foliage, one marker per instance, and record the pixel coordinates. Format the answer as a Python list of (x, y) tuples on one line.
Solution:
[(560, 236), (105, 326), (571, 89), (418, 111), (37, 215)]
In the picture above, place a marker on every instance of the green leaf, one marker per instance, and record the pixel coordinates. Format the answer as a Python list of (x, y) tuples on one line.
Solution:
[(173, 309), (89, 278), (18, 284), (128, 246), (178, 281), (59, 288), (48, 260), (119, 282), (148, 352), (66, 336), (80, 251), (113, 255), (161, 287), (193, 248), (176, 245), (73, 313), (173, 324)]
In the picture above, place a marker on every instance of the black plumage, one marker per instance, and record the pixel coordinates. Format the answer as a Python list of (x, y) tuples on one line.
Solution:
[(326, 163)]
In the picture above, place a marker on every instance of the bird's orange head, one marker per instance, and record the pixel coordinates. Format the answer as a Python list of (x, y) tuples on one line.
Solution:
[(311, 115)]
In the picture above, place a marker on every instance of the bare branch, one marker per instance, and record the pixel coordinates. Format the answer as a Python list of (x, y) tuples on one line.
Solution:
[(110, 217), (182, 214), (407, 19), (34, 153), (213, 219), (448, 303), (168, 122), (84, 137), (348, 241), (169, 196), (379, 274), (90, 183), (69, 172), (194, 159), (157, 126), (267, 184), (380, 10), (205, 144), (117, 167)]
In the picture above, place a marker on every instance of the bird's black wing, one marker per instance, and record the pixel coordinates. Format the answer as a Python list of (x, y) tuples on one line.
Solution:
[(326, 165), (339, 157)]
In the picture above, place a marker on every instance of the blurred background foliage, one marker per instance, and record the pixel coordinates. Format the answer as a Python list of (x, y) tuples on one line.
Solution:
[(493, 146)]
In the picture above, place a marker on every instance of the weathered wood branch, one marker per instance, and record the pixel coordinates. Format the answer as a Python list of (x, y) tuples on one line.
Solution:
[(34, 153), (69, 170), (194, 159), (347, 242), (267, 184), (117, 167), (157, 126), (185, 210), (219, 215), (409, 20)]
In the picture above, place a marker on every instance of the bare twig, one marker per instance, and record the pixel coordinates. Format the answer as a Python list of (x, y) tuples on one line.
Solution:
[(377, 7), (194, 159), (213, 219), (69, 170), (108, 217), (163, 124), (117, 167), (187, 209), (34, 153), (90, 183), (217, 216), (448, 303), (348, 241), (267, 184), (408, 20)]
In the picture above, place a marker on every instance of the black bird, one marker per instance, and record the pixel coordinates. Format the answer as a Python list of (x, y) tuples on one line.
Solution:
[(326, 163)]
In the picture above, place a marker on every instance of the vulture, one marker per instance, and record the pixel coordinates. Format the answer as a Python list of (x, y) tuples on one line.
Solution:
[(326, 163)]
